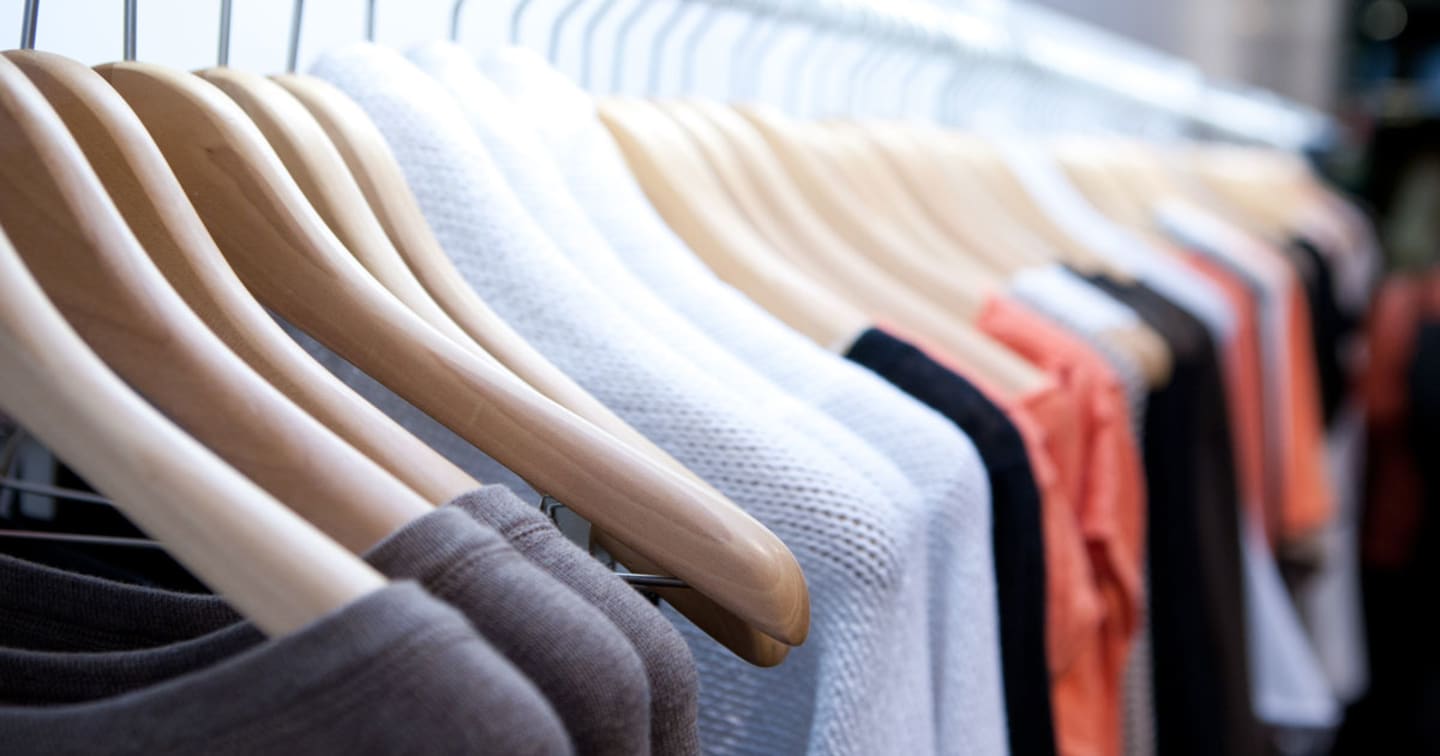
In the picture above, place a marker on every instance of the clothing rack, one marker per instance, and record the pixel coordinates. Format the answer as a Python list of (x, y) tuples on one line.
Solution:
[(1021, 60)]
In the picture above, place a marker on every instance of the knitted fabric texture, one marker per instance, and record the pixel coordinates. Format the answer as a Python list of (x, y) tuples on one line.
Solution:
[(861, 683), (933, 454)]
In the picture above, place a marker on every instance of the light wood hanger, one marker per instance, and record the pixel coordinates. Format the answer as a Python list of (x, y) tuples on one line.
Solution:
[(966, 156), (838, 185), (382, 181), (743, 162), (363, 159), (296, 266), (155, 206), (733, 250), (973, 220), (273, 567), (984, 222), (320, 171), (74, 241)]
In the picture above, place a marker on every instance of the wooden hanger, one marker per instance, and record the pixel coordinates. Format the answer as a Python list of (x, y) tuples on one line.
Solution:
[(733, 250), (968, 157), (973, 220), (74, 241), (984, 222), (333, 141), (369, 160), (155, 206), (822, 168), (741, 160), (318, 169), (296, 266), (273, 567)]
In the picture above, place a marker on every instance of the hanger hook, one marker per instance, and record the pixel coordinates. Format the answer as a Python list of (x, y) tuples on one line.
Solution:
[(759, 33), (587, 41), (369, 20), (557, 28), (622, 34), (222, 48), (455, 20), (657, 44), (691, 45), (292, 53), (131, 13), (28, 22), (515, 14)]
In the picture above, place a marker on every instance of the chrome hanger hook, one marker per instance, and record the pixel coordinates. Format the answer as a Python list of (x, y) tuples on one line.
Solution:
[(28, 21), (760, 33), (369, 20), (622, 34), (292, 53), (691, 45), (657, 44), (132, 12), (222, 48), (587, 42), (515, 15), (557, 27)]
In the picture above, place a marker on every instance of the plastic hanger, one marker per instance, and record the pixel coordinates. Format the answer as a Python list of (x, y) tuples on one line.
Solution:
[(273, 567), (296, 266), (733, 149), (78, 246), (155, 207)]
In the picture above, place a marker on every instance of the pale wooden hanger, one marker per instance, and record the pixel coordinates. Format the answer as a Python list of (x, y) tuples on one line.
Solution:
[(744, 163), (318, 169), (733, 250), (382, 181), (995, 236), (157, 210), (75, 242), (274, 568), (824, 169), (296, 266), (333, 141)]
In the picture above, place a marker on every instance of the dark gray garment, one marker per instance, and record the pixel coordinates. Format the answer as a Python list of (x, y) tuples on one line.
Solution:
[(573, 653), (674, 683), (394, 672)]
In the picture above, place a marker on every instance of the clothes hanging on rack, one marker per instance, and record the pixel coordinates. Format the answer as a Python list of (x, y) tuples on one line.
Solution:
[(1060, 444)]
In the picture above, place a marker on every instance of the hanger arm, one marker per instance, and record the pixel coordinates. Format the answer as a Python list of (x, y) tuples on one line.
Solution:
[(74, 241), (275, 568), (296, 266), (155, 207)]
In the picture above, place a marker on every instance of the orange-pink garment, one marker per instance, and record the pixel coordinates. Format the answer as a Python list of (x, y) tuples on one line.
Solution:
[(1309, 502), (1244, 385), (1049, 422), (1109, 500)]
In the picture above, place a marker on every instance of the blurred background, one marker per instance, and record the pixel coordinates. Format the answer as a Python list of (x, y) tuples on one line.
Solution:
[(1373, 64)]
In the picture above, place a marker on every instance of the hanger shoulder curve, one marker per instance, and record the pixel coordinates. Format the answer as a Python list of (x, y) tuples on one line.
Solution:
[(276, 569), (75, 242), (296, 266), (155, 207)]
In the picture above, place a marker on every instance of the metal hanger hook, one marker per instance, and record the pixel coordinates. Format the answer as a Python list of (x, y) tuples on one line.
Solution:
[(132, 13), (292, 53), (657, 44), (557, 29), (587, 42), (222, 47), (622, 34), (369, 20), (28, 21)]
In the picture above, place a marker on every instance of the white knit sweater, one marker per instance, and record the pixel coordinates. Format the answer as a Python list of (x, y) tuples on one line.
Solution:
[(932, 453), (861, 683)]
